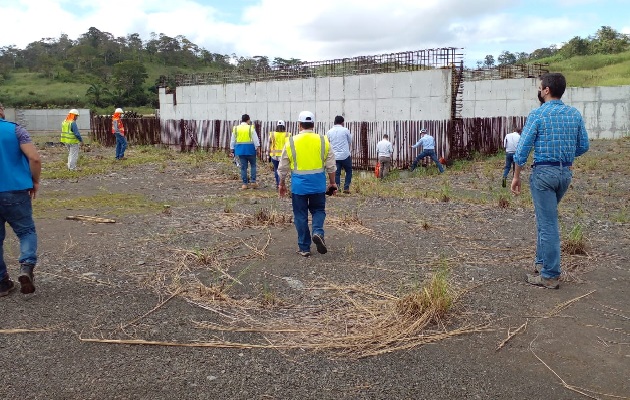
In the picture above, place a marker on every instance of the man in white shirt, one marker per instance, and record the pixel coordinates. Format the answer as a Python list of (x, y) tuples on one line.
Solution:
[(341, 142), (384, 151), (510, 142)]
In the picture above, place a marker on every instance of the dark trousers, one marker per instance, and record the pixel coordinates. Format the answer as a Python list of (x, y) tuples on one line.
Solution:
[(346, 165)]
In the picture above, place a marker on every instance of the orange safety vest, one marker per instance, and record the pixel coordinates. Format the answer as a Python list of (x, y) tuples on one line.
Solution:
[(121, 127)]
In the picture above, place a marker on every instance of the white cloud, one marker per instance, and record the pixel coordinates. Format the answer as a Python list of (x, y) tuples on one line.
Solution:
[(313, 30)]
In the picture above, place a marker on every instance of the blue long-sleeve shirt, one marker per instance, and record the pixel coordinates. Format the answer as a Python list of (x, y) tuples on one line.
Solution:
[(555, 131), (75, 129), (427, 142)]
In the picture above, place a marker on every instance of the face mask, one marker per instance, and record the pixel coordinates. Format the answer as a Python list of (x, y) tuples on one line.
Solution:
[(540, 98)]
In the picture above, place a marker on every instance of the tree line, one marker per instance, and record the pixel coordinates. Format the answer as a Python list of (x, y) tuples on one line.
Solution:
[(605, 41), (116, 67)]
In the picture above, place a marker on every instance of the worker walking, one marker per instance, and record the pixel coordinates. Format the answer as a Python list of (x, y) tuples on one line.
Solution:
[(118, 129), (310, 158), (277, 139), (71, 137), (20, 168), (244, 144)]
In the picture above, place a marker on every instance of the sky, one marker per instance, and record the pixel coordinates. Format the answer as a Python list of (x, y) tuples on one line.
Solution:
[(323, 29)]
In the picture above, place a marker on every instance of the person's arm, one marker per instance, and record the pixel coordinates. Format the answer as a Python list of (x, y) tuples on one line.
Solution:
[(233, 140), (75, 129), (255, 137), (419, 143), (524, 147), (35, 164), (330, 166), (283, 170), (582, 144), (349, 136)]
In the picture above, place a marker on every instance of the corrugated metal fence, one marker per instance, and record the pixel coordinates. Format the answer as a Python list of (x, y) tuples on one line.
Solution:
[(478, 135)]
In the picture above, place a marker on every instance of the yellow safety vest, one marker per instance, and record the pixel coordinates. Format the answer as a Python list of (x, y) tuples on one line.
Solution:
[(244, 134), (303, 160), (66, 133), (278, 139)]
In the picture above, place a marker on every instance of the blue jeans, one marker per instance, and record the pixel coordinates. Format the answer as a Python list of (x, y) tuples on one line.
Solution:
[(347, 166), (275, 170), (548, 184), (252, 161), (302, 204), (509, 163), (121, 146), (430, 153), (16, 209)]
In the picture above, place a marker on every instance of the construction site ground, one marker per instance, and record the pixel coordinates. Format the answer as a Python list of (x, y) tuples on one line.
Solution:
[(196, 290)]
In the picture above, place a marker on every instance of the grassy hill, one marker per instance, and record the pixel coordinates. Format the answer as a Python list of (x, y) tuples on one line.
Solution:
[(593, 70)]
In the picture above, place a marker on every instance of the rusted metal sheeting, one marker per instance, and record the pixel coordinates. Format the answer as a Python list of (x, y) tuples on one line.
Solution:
[(139, 131), (474, 135)]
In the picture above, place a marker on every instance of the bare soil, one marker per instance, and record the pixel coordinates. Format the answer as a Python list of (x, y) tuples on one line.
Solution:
[(196, 292)]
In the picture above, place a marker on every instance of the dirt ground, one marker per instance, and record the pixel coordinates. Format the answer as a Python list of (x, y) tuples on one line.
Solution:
[(196, 292)]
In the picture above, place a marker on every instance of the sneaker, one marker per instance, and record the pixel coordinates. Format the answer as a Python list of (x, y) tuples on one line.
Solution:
[(253, 185), (243, 187), (537, 268), (537, 280), (304, 253), (346, 191), (321, 245), (26, 279), (504, 182), (6, 285)]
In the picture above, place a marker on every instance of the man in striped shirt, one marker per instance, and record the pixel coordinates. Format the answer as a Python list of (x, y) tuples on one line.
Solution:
[(557, 134)]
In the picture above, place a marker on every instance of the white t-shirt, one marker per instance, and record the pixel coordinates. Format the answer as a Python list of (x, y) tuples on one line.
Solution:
[(511, 142)]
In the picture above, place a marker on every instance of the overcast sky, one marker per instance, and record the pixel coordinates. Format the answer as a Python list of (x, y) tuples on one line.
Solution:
[(323, 29)]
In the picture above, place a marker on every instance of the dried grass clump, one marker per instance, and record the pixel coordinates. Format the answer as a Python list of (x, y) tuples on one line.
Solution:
[(435, 298), (265, 216), (575, 242)]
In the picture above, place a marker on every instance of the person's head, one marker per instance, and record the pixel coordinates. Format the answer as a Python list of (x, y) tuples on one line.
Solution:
[(72, 114), (552, 86), (518, 130), (1, 111), (386, 136), (423, 132), (280, 127), (339, 120), (306, 120), (245, 118), (118, 111)]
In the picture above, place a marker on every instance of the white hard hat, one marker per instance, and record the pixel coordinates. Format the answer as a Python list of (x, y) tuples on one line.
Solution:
[(74, 111), (280, 123), (306, 116), (118, 110), (423, 130)]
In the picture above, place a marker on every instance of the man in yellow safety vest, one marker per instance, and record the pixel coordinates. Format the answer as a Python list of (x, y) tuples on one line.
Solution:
[(244, 144), (71, 137), (309, 158), (277, 139)]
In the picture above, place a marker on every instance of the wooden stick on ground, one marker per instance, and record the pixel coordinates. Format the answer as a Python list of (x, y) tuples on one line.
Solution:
[(511, 335), (90, 219)]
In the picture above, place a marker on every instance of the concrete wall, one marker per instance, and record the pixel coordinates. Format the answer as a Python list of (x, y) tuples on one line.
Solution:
[(46, 120), (417, 95), (605, 109), (402, 96)]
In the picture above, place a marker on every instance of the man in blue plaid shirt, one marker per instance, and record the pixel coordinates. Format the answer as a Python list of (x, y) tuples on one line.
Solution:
[(558, 135)]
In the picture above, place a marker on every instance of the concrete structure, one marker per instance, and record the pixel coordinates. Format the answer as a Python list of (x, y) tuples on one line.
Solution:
[(400, 96), (46, 120), (606, 109), (417, 95)]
